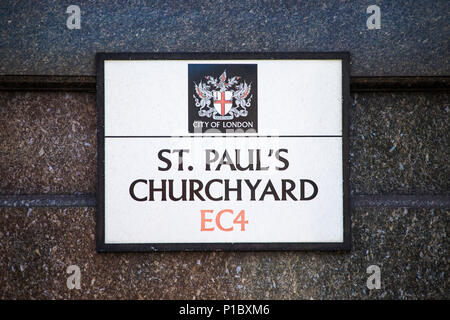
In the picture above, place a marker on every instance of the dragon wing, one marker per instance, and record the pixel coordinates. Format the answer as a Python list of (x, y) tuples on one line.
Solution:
[(202, 91), (243, 92)]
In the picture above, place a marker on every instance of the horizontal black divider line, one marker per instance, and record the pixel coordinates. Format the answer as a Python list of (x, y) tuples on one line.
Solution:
[(227, 136), (367, 201), (357, 84)]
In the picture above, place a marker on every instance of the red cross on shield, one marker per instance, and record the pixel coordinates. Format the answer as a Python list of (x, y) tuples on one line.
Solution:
[(223, 101)]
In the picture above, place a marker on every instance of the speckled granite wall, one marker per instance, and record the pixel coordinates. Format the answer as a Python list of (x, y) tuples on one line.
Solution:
[(409, 246), (398, 145), (412, 41), (48, 142)]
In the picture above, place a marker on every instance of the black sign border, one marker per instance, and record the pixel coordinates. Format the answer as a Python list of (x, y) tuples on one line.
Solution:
[(101, 246)]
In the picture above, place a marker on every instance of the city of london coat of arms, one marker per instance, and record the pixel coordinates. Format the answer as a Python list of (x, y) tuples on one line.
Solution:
[(222, 98)]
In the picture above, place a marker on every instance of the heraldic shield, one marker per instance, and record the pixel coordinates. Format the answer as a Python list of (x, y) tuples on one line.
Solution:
[(223, 101)]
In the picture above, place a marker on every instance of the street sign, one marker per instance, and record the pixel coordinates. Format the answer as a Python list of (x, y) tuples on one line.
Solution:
[(216, 151)]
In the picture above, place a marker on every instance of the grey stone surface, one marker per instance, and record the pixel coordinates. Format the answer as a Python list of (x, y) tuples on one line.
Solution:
[(412, 41), (410, 247), (399, 143), (47, 142)]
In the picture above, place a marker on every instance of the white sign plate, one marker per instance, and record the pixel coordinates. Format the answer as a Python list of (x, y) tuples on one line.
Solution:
[(223, 151)]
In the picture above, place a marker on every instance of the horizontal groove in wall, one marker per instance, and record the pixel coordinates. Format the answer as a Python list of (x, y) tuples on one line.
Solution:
[(48, 200), (47, 83), (398, 201), (389, 84), (367, 201), (357, 84)]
